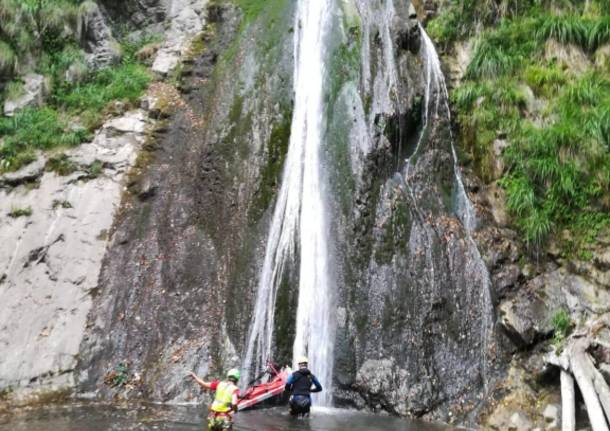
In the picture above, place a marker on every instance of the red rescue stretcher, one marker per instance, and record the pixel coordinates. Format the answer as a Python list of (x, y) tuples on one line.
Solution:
[(273, 387)]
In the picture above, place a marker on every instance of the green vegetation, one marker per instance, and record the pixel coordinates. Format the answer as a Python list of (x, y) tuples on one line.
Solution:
[(94, 170), (5, 393), (61, 204), (118, 377), (42, 36), (74, 110), (562, 325), (61, 165), (253, 8), (31, 129), (33, 28), (20, 212), (555, 119)]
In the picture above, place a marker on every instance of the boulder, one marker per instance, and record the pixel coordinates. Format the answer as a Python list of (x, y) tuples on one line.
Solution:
[(35, 91), (602, 56), (524, 319), (527, 316), (185, 20), (520, 422), (552, 416), (568, 55)]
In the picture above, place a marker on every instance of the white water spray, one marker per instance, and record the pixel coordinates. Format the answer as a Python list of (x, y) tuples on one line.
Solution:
[(300, 219)]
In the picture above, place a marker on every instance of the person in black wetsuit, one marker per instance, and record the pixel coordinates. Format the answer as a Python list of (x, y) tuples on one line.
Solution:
[(300, 385)]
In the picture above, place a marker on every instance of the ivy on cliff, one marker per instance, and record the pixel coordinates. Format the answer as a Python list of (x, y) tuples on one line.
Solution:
[(551, 113)]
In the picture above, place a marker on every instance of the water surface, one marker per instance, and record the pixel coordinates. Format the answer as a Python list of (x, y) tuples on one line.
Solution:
[(153, 417)]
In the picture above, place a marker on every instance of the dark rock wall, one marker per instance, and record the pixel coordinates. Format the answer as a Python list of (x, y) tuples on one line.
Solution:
[(416, 323), (178, 280), (138, 12)]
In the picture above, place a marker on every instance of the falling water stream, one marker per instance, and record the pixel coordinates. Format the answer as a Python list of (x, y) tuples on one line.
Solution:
[(435, 94), (300, 225)]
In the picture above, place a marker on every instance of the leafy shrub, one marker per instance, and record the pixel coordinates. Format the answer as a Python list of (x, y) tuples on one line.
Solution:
[(562, 325)]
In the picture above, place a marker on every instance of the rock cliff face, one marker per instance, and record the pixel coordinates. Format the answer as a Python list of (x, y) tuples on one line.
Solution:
[(54, 234), (57, 217), (177, 285)]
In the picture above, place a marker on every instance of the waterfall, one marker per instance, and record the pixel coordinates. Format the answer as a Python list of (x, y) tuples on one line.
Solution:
[(300, 223), (435, 94)]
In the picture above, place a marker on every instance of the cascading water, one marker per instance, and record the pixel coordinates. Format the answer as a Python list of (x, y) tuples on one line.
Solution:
[(435, 94), (300, 224)]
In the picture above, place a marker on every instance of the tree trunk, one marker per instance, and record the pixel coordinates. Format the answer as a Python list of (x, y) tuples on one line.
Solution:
[(600, 385), (584, 378), (568, 402)]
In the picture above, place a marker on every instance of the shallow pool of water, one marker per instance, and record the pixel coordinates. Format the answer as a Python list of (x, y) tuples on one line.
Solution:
[(190, 418)]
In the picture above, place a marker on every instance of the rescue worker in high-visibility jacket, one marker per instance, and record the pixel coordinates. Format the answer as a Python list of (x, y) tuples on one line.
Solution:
[(225, 400)]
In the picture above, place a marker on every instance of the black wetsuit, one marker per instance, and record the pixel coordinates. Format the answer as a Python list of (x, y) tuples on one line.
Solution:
[(299, 385)]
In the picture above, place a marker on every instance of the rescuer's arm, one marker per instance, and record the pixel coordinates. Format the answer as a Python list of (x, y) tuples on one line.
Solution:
[(235, 400), (289, 383), (204, 385), (316, 383)]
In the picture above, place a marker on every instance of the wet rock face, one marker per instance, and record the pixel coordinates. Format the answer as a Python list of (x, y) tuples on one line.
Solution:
[(178, 279), (419, 336), (96, 37), (139, 13)]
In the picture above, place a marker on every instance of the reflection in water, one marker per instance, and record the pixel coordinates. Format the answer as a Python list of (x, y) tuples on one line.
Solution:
[(153, 417)]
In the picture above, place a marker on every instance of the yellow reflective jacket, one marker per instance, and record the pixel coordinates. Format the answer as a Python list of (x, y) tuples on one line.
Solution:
[(224, 397)]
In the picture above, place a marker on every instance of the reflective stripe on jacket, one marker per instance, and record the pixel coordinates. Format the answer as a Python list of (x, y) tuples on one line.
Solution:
[(224, 397)]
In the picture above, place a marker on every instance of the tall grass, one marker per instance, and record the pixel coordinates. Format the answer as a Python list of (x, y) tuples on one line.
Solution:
[(125, 83), (34, 129), (599, 33), (489, 61), (564, 29), (557, 164)]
